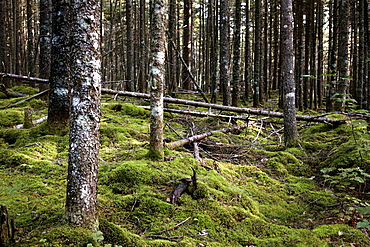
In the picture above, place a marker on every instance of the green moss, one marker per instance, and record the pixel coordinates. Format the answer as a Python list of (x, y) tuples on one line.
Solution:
[(341, 235), (66, 235), (285, 163), (24, 90), (116, 235), (133, 110), (10, 118)]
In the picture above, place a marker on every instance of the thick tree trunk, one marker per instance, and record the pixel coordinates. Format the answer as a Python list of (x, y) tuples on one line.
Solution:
[(58, 113), (157, 71), (81, 200)]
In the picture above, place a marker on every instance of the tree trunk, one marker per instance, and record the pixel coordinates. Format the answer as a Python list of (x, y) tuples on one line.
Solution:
[(157, 70), (58, 112), (287, 68), (247, 55), (45, 40), (187, 39), (236, 57), (224, 52), (257, 55), (342, 56), (81, 200), (130, 47)]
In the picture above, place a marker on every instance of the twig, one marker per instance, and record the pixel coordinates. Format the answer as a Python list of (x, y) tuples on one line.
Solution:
[(176, 226), (132, 209), (173, 238)]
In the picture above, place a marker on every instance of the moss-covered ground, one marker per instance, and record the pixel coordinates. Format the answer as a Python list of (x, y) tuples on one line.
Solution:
[(251, 190)]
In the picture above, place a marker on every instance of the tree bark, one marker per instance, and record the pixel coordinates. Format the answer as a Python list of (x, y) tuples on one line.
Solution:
[(45, 40), (287, 68), (157, 72), (224, 52), (58, 112), (236, 57), (81, 199)]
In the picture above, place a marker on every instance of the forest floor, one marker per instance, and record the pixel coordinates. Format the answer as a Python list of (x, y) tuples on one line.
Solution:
[(251, 190)]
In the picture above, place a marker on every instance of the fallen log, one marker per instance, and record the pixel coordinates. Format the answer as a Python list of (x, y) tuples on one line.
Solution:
[(200, 113), (27, 99), (22, 77), (252, 111), (179, 143)]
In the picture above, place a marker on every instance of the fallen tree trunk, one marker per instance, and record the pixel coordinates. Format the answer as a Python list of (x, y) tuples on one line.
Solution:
[(22, 77), (253, 111), (200, 113), (32, 97), (179, 143)]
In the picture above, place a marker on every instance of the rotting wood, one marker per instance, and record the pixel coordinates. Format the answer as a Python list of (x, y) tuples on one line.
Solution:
[(179, 143)]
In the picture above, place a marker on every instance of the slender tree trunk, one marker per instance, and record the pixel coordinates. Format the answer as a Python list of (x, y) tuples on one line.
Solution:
[(332, 56), (224, 51), (130, 47), (257, 55), (157, 70), (31, 65), (236, 52), (287, 67), (81, 201), (45, 40), (171, 73), (247, 55), (58, 114), (142, 49), (342, 56), (186, 42), (214, 51)]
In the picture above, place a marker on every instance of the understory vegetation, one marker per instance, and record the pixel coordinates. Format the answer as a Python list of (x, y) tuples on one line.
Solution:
[(251, 191)]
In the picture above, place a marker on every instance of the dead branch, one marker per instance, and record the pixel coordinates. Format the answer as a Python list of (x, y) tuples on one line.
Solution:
[(173, 238), (176, 226), (179, 143)]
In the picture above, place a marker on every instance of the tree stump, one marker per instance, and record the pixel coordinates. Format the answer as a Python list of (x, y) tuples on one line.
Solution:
[(28, 118), (7, 228)]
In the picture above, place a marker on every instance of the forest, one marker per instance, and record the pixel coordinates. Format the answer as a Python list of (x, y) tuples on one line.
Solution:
[(184, 123)]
